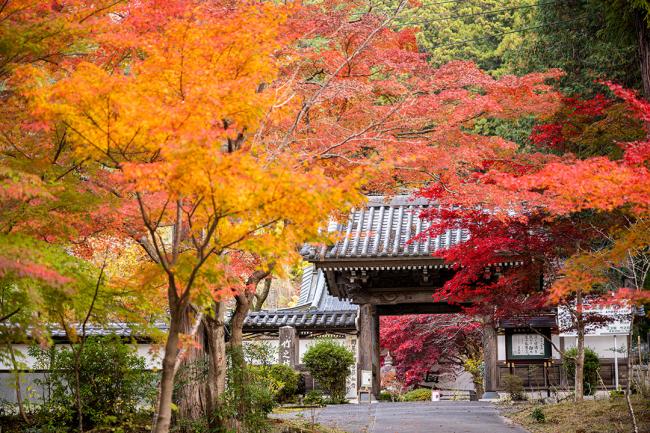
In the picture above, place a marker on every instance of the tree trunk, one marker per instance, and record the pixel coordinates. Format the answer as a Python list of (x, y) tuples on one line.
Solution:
[(238, 319), (260, 298), (490, 357), (217, 364), (643, 38), (243, 306), (628, 387), (238, 364), (164, 412), (580, 356), (77, 389), (19, 396), (191, 395)]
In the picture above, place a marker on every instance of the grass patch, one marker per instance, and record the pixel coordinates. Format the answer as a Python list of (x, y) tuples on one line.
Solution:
[(300, 426), (600, 416), (295, 408)]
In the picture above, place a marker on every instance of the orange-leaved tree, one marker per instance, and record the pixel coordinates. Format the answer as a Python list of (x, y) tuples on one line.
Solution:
[(168, 125)]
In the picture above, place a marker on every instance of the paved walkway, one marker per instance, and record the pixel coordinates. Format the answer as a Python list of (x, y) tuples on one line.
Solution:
[(417, 417)]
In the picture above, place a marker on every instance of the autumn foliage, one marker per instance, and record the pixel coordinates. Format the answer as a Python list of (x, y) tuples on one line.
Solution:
[(214, 138)]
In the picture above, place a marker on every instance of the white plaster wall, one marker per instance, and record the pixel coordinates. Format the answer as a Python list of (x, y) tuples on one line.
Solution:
[(273, 343), (603, 345), (459, 380), (501, 347), (305, 344), (22, 358), (151, 353), (556, 343)]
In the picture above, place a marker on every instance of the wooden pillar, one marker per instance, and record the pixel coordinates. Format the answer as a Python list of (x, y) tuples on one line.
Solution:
[(369, 346), (288, 346), (490, 354)]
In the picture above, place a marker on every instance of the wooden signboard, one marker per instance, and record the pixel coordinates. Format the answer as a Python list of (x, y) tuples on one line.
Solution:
[(528, 345)]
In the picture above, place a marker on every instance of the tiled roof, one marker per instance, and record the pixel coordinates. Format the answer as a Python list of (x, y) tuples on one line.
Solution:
[(383, 229), (120, 329), (316, 309), (314, 295), (305, 320)]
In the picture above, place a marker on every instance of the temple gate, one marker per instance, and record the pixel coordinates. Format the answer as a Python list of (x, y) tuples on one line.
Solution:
[(377, 264)]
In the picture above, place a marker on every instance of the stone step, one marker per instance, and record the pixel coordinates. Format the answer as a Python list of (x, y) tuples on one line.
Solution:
[(456, 395)]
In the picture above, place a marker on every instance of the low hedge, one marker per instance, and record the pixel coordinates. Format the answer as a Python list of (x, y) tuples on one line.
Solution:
[(420, 394)]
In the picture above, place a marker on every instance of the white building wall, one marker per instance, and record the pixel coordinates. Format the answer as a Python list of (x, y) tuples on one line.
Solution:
[(556, 343), (603, 345), (501, 347), (22, 358), (152, 353)]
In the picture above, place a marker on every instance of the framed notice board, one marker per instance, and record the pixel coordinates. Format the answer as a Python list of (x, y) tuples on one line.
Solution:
[(525, 344)]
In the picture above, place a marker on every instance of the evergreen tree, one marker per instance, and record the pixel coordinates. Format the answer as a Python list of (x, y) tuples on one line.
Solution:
[(575, 36)]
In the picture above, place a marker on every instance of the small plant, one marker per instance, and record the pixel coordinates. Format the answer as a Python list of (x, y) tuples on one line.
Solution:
[(476, 367), (259, 353), (538, 415), (392, 386), (315, 398), (288, 380), (329, 363), (616, 393), (249, 396), (420, 394), (514, 386), (591, 368)]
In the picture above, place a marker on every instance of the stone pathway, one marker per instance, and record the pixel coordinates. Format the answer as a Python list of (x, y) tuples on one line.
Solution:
[(417, 417)]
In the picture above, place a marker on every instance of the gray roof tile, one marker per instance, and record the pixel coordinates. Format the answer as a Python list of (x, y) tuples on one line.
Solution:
[(386, 227), (303, 320)]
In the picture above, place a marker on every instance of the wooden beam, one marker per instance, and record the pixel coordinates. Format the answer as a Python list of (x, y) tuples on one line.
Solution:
[(379, 262), (431, 308), (392, 298)]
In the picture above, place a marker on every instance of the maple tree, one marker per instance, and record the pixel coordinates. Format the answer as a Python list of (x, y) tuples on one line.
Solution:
[(605, 186), (548, 210), (218, 151), (168, 132), (417, 342), (152, 124), (40, 201)]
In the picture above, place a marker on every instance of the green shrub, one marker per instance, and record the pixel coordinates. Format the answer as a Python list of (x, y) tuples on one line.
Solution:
[(514, 386), (420, 394), (288, 379), (591, 368), (113, 384), (314, 397), (329, 363), (249, 396), (385, 396), (538, 415), (259, 353), (616, 393)]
